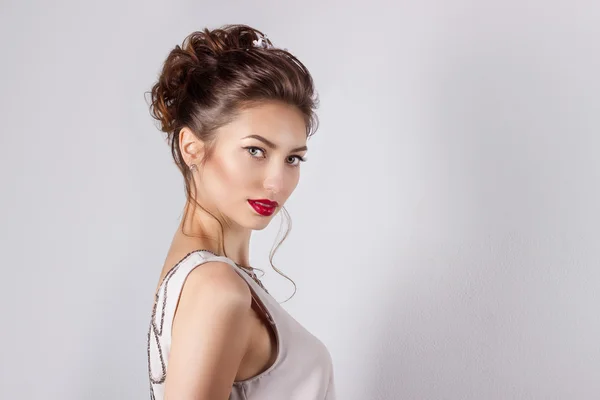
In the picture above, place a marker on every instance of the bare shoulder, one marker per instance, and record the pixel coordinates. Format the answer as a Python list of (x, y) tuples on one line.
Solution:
[(217, 280), (211, 332)]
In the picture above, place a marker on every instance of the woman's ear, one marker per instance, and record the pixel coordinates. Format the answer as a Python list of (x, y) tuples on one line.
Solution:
[(192, 149)]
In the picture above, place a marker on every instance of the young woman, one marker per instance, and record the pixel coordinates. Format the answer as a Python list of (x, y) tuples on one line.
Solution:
[(237, 112)]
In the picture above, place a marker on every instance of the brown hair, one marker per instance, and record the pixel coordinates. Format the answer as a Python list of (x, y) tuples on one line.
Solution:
[(216, 73)]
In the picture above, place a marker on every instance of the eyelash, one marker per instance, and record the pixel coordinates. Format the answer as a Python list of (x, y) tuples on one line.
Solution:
[(300, 159)]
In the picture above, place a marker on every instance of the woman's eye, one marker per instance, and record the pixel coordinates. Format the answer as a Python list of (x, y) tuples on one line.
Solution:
[(254, 151), (295, 160)]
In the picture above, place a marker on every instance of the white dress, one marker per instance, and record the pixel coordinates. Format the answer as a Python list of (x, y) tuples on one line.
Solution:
[(303, 368)]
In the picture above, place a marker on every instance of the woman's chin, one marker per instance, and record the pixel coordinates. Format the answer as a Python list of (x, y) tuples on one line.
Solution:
[(259, 228), (260, 224), (257, 223)]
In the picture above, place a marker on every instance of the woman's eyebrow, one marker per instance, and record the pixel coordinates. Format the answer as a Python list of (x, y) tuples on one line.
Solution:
[(271, 144)]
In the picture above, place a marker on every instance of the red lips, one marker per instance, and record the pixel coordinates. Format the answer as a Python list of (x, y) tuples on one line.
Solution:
[(263, 206)]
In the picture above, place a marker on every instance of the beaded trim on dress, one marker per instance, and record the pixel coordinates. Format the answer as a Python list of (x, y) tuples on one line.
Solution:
[(155, 330)]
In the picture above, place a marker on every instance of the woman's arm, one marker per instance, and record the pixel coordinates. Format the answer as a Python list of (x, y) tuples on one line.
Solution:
[(210, 335)]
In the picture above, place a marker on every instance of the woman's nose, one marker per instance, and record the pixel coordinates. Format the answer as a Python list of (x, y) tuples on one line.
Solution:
[(274, 180)]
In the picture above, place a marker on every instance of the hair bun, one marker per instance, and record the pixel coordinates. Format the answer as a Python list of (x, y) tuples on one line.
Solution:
[(194, 63)]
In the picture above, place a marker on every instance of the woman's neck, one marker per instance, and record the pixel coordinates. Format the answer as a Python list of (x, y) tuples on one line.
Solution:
[(205, 232)]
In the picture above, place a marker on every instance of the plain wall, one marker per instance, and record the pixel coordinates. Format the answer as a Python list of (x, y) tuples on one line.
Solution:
[(445, 236)]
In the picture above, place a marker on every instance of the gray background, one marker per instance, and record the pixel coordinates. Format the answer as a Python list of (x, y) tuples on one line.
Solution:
[(445, 230)]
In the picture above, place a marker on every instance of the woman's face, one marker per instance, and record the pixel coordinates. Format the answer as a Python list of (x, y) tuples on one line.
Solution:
[(255, 163)]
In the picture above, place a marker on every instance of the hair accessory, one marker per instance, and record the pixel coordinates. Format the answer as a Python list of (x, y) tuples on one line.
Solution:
[(261, 42)]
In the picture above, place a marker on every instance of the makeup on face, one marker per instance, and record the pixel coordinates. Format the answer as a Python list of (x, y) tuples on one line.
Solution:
[(256, 160), (263, 207)]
